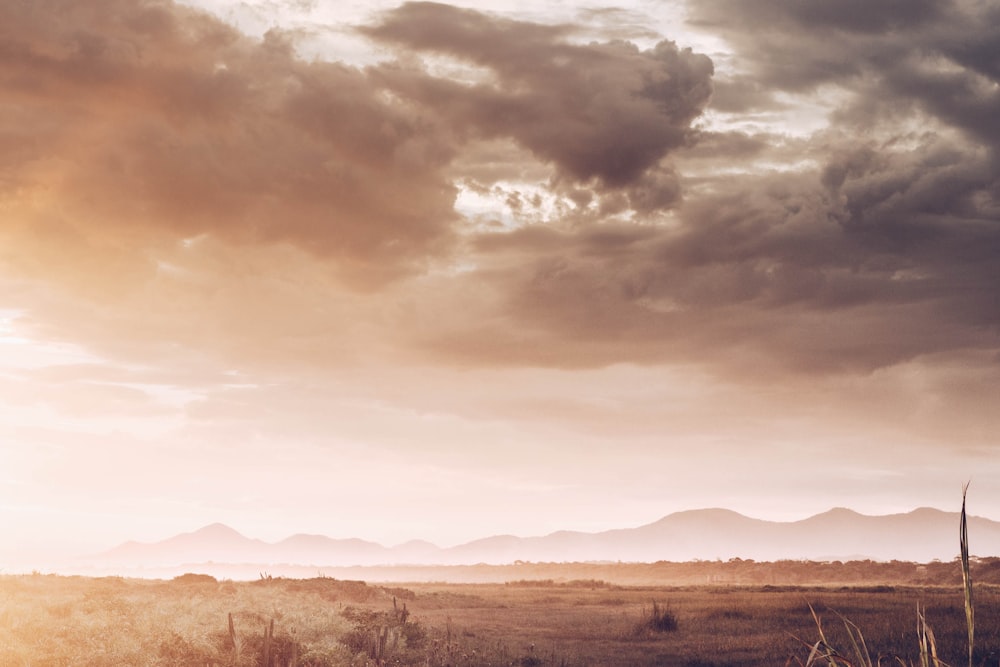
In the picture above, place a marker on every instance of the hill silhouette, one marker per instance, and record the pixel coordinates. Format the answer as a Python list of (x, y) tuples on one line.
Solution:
[(922, 535)]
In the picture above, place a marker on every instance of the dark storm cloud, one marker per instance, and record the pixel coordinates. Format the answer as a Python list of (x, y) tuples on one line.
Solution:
[(776, 275), (943, 57), (605, 111), (874, 243), (861, 16), (794, 45), (145, 115)]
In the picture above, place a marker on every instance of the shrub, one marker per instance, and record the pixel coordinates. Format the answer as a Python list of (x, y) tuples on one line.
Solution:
[(660, 619), (385, 635)]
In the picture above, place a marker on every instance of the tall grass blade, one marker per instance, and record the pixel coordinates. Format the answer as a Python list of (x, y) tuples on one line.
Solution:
[(814, 654), (933, 644), (922, 638), (822, 648), (928, 645), (857, 639), (963, 537)]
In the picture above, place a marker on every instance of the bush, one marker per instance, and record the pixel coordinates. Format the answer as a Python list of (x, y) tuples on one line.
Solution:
[(384, 636), (660, 619)]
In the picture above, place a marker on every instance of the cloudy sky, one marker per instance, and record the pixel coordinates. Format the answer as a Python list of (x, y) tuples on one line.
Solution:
[(437, 271)]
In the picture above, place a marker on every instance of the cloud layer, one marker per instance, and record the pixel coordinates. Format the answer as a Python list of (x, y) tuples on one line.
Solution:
[(155, 155), (507, 235)]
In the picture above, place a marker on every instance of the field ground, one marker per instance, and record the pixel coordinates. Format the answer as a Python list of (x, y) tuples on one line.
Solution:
[(49, 621), (721, 625)]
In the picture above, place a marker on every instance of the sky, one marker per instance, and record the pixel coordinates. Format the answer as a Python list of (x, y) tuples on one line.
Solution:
[(444, 271)]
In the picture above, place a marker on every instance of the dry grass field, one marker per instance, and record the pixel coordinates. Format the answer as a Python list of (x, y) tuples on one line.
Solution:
[(581, 624), (50, 621)]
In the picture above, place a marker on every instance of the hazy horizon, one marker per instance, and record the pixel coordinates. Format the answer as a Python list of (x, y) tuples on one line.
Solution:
[(220, 524), (444, 271), (211, 546), (719, 535)]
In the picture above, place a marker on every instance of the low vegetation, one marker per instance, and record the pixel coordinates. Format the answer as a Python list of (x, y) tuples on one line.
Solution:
[(52, 621)]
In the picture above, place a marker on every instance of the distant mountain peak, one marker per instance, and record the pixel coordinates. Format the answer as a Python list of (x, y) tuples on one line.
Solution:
[(717, 511), (928, 511), (840, 513), (214, 534), (421, 544), (711, 514), (217, 530)]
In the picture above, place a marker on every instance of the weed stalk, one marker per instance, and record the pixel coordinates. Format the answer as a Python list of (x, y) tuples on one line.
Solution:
[(970, 617)]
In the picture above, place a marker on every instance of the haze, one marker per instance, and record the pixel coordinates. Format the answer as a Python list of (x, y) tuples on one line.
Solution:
[(442, 272)]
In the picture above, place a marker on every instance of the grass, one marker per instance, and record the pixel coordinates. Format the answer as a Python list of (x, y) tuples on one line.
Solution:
[(51, 621)]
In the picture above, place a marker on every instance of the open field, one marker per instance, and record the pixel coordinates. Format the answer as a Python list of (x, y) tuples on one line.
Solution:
[(49, 621), (722, 625)]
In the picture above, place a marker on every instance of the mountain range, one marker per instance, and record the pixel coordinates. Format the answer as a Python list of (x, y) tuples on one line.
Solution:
[(922, 535)]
